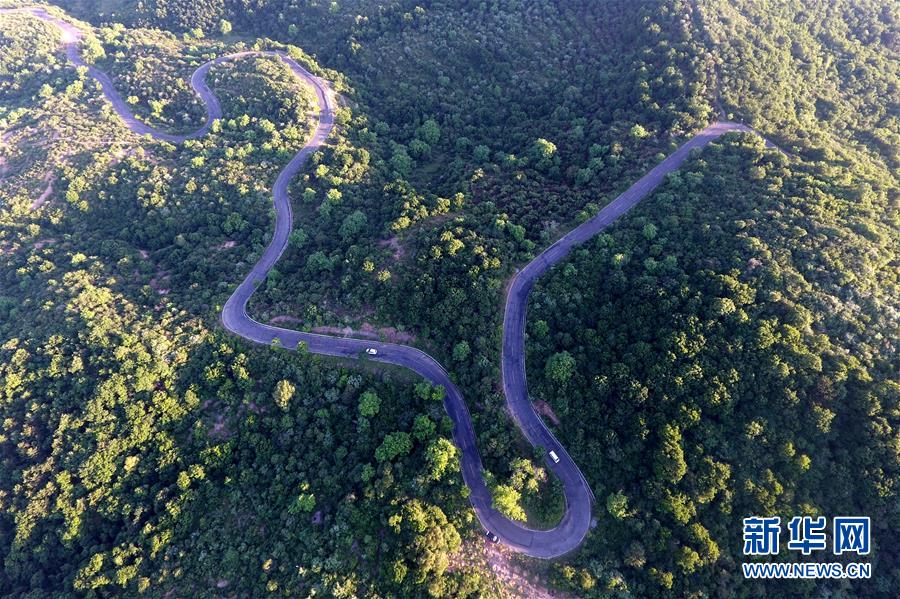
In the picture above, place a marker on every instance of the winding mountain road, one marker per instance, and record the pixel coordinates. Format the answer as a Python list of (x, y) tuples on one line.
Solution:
[(573, 527)]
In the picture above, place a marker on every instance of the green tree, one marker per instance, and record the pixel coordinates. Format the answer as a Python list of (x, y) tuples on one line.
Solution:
[(353, 224), (544, 149), (369, 404), (393, 445), (461, 351), (284, 391), (638, 132), (429, 132), (92, 50), (617, 505), (429, 540), (507, 501), (305, 502), (401, 162), (423, 428), (560, 368), (669, 463), (442, 457)]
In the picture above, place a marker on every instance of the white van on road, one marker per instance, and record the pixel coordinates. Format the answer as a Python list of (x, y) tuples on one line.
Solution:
[(554, 457)]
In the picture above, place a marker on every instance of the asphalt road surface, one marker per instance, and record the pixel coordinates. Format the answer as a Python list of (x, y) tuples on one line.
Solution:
[(573, 527)]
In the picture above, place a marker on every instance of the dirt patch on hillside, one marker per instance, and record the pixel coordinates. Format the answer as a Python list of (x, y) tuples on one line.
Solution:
[(340, 331), (390, 333), (365, 331), (156, 283), (544, 409), (48, 179), (284, 318), (509, 576), (219, 429), (517, 580), (369, 331), (394, 243), (43, 243)]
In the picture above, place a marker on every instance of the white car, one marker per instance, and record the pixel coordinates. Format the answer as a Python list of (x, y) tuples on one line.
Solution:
[(372, 351), (554, 457)]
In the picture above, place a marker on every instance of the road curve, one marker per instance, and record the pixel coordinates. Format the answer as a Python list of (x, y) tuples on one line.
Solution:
[(575, 523)]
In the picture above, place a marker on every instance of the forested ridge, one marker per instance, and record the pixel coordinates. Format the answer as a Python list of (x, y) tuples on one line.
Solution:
[(716, 355), (728, 349)]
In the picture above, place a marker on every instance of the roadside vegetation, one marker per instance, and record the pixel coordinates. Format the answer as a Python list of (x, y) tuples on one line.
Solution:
[(152, 71)]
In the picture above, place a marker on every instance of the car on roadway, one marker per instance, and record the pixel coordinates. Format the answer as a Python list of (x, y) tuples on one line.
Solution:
[(554, 457), (371, 351), (491, 536)]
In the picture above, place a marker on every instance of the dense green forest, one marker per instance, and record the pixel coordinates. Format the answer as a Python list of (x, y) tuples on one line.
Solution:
[(728, 349), (828, 70), (143, 450)]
